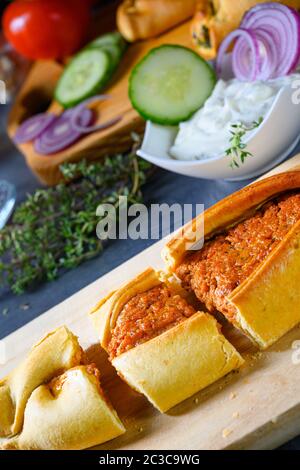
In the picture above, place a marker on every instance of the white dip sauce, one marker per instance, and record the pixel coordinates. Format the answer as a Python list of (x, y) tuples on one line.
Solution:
[(207, 134)]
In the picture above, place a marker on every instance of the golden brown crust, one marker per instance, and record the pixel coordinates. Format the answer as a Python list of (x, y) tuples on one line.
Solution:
[(52, 401), (54, 354), (267, 304), (105, 314), (174, 365), (70, 413), (265, 311), (228, 212), (179, 363), (220, 17), (143, 19)]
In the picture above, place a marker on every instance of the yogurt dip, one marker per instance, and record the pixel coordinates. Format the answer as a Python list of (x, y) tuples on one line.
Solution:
[(207, 134)]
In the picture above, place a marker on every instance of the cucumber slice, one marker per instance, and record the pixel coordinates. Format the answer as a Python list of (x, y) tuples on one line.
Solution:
[(107, 39), (170, 84), (114, 52), (85, 75)]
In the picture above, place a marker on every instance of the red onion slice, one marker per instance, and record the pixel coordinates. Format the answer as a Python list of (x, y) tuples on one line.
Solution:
[(88, 130), (242, 57), (61, 133), (70, 126), (33, 127), (254, 63), (75, 119), (283, 24), (268, 55)]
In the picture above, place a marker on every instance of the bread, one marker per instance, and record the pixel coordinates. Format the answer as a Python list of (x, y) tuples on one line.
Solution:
[(70, 413), (53, 355), (176, 363), (265, 310), (215, 19), (143, 19), (53, 401)]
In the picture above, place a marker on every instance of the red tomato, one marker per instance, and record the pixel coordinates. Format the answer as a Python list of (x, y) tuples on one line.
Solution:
[(46, 29)]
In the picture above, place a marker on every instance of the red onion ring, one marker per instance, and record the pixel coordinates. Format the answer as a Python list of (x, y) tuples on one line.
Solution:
[(242, 58), (55, 133), (60, 134), (254, 48), (33, 127), (268, 57), (75, 118), (270, 60), (283, 24)]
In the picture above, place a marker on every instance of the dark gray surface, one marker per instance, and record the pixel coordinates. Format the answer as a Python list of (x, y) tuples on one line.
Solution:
[(164, 187)]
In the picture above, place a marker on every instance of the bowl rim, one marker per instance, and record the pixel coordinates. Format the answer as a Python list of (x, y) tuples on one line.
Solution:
[(196, 163)]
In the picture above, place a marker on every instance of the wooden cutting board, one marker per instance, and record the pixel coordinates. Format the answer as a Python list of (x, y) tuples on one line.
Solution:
[(36, 96), (257, 408)]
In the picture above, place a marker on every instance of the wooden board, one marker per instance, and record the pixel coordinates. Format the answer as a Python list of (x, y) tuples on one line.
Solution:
[(38, 91), (257, 408)]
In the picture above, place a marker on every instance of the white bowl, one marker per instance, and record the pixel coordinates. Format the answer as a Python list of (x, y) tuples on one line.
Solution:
[(273, 141)]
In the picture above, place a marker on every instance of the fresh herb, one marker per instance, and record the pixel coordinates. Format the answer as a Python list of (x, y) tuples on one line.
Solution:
[(203, 39), (237, 150), (55, 228), (206, 37), (212, 8)]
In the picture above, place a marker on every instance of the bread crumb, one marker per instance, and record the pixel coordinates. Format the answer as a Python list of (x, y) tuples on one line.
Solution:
[(236, 415), (196, 401), (232, 396), (226, 433), (257, 355)]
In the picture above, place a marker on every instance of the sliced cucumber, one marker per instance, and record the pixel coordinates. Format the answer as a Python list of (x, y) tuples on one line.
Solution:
[(114, 52), (170, 84), (107, 39), (86, 74)]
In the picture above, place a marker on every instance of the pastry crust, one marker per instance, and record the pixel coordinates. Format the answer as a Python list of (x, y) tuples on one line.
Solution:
[(52, 401), (174, 365), (179, 363), (54, 354), (106, 312), (268, 302), (215, 19), (70, 413), (264, 309), (143, 19), (227, 213)]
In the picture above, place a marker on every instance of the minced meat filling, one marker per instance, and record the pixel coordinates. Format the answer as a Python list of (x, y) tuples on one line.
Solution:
[(146, 316), (230, 258)]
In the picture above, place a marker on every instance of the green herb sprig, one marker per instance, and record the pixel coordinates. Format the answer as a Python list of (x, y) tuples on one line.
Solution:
[(237, 148), (55, 228)]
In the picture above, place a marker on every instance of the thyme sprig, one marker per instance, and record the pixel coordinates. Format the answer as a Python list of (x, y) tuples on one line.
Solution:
[(55, 228), (237, 148)]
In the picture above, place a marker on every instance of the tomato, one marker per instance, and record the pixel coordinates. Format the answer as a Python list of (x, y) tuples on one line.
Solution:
[(46, 29)]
